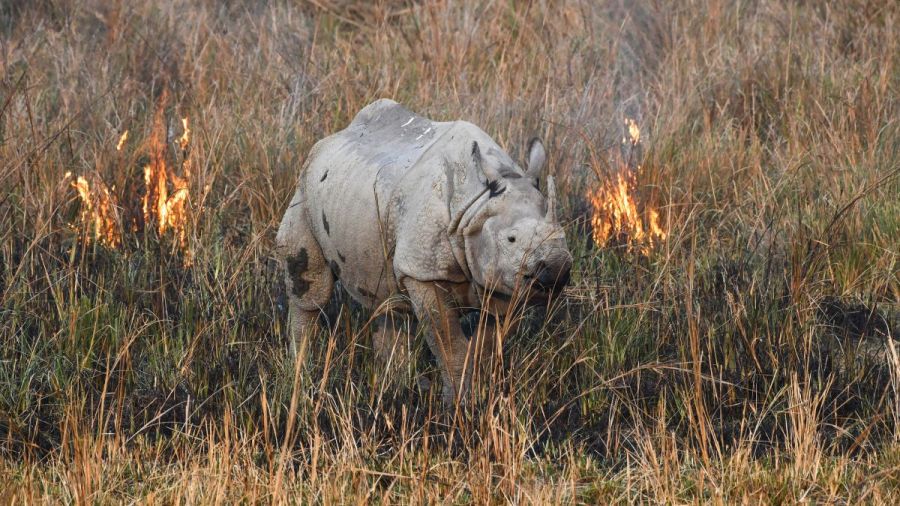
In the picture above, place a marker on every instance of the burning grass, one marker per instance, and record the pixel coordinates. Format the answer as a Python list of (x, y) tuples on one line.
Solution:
[(729, 336), (165, 200), (617, 215), (166, 194), (98, 218)]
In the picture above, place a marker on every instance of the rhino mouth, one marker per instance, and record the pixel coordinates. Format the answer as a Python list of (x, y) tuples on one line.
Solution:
[(547, 281), (535, 288), (529, 289)]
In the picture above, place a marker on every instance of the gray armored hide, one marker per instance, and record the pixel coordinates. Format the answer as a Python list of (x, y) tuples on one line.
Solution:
[(414, 214)]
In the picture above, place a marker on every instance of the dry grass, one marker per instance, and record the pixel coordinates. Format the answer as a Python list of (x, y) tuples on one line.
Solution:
[(749, 358)]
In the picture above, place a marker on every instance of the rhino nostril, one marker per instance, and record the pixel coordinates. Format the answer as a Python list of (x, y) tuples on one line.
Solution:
[(551, 278)]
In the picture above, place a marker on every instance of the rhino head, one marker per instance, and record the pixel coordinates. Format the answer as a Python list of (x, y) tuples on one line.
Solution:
[(513, 239)]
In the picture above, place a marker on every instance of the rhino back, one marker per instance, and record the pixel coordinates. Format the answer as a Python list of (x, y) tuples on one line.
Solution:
[(357, 184)]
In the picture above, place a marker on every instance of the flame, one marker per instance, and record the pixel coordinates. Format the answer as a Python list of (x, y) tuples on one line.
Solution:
[(185, 140), (166, 196), (618, 217), (655, 229), (633, 132), (122, 140), (99, 216), (167, 209)]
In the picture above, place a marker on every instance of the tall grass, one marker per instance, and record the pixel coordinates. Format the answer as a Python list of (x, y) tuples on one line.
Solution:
[(750, 357)]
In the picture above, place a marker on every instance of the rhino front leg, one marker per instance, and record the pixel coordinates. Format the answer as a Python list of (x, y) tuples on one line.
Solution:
[(308, 279), (434, 307), (487, 339)]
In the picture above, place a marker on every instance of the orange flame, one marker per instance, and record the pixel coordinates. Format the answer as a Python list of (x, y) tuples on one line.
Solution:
[(167, 210), (122, 140), (185, 140), (617, 215), (634, 133), (164, 206), (99, 216)]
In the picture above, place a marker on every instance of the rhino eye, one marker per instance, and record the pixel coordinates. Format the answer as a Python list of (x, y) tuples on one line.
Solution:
[(495, 188), (511, 238)]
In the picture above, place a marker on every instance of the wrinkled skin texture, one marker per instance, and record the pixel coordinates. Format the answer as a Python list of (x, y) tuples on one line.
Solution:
[(430, 217)]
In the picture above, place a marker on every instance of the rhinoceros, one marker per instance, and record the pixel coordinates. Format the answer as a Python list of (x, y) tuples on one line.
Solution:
[(414, 215)]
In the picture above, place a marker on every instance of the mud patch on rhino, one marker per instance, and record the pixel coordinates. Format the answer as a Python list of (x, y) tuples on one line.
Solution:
[(325, 175), (325, 224), (297, 265)]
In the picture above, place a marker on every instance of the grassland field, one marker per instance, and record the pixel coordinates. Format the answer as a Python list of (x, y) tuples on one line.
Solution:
[(750, 357)]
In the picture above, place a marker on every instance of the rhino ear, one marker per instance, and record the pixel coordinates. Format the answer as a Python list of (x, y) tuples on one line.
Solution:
[(490, 173), (551, 200), (536, 157)]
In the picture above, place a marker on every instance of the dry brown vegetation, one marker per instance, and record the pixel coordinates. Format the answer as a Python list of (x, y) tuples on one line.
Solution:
[(750, 356)]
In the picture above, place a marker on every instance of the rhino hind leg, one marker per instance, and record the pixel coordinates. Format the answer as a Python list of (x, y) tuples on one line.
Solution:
[(308, 278)]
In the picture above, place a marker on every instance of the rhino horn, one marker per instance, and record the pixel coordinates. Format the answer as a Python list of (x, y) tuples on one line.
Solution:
[(551, 200), (536, 158), (489, 172)]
